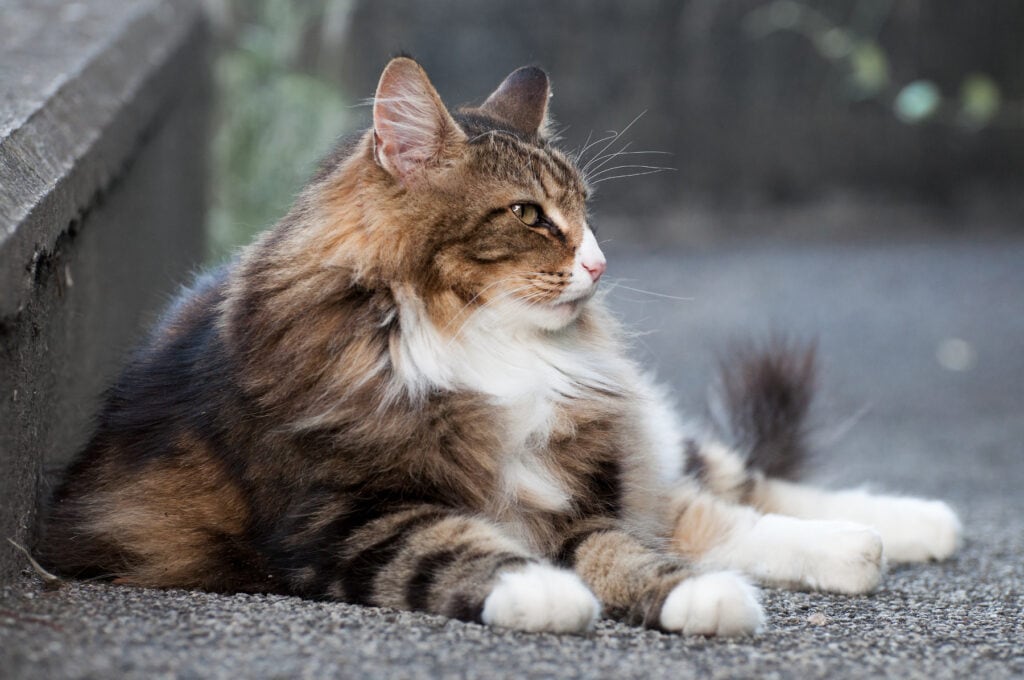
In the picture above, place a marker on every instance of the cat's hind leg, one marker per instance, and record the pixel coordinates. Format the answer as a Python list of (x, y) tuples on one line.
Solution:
[(912, 529), (784, 551), (643, 586)]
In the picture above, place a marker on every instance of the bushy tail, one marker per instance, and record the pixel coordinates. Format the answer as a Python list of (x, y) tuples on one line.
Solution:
[(761, 402)]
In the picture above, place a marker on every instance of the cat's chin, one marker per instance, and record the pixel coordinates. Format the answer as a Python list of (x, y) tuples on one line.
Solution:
[(555, 317)]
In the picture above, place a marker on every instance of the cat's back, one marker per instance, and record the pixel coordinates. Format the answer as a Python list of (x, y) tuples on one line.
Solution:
[(172, 377)]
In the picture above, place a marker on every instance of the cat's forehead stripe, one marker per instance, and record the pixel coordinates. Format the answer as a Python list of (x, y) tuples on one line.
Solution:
[(568, 172), (556, 165), (558, 180)]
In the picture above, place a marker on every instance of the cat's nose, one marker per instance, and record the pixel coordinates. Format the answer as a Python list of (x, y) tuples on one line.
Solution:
[(595, 268), (590, 256)]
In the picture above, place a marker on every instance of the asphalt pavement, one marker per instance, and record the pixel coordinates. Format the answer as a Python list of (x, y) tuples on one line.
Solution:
[(921, 346)]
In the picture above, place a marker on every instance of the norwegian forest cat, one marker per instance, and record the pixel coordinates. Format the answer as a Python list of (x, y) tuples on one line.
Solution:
[(406, 394)]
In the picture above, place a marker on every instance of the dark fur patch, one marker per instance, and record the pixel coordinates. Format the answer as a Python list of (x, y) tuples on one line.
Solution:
[(762, 406), (566, 553), (695, 465), (603, 486), (425, 574), (465, 608)]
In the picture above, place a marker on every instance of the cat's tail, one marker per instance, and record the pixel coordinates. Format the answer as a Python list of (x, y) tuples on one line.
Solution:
[(761, 402)]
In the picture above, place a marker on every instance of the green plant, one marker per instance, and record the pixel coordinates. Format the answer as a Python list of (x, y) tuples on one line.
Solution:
[(273, 120)]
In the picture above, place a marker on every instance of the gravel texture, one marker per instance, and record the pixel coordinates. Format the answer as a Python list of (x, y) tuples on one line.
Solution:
[(922, 392)]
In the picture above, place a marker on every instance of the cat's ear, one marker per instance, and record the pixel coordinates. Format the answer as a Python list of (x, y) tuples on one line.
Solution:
[(522, 100), (412, 130)]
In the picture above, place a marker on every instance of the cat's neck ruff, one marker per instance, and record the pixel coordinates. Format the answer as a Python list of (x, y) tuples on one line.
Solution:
[(495, 354)]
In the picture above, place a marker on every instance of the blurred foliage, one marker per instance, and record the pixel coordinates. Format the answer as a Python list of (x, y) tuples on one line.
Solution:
[(917, 101), (274, 118), (867, 71)]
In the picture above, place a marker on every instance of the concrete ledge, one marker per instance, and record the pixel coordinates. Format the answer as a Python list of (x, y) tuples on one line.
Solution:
[(102, 163), (82, 83)]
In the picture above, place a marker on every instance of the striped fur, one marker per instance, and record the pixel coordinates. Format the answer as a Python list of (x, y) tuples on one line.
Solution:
[(406, 395)]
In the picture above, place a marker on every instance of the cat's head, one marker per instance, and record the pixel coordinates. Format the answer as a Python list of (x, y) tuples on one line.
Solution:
[(475, 207)]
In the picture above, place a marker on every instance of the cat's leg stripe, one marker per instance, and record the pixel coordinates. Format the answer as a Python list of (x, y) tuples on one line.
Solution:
[(424, 574), (458, 563), (359, 572), (506, 560)]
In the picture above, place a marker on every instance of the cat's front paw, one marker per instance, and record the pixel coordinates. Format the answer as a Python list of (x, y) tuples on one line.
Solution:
[(541, 598), (719, 603), (916, 530)]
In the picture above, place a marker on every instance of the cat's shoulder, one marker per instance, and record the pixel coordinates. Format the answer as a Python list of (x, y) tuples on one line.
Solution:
[(195, 305)]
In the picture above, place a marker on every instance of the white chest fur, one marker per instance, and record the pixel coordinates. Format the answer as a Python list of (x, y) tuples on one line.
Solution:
[(525, 372), (529, 476)]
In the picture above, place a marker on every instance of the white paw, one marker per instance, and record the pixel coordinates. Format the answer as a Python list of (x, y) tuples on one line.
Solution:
[(915, 530), (541, 598), (720, 603), (839, 557), (842, 557)]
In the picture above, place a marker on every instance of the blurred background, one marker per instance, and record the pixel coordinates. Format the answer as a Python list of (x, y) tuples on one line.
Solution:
[(778, 119)]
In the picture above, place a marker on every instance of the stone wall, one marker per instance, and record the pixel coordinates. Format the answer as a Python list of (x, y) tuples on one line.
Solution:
[(103, 110)]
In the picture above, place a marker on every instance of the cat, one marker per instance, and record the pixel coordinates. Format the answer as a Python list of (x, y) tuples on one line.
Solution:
[(407, 394)]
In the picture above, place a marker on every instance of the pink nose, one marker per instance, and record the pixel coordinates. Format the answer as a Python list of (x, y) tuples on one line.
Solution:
[(595, 269)]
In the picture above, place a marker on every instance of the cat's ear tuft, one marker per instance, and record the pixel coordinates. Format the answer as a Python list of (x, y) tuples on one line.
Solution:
[(412, 130), (521, 100)]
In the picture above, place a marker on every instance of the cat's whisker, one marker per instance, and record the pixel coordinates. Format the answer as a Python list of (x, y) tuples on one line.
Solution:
[(577, 154), (586, 166), (632, 174), (610, 139), (603, 159), (608, 157), (833, 435), (632, 166), (498, 298), (476, 297), (634, 153), (614, 137), (503, 296), (590, 144), (618, 284)]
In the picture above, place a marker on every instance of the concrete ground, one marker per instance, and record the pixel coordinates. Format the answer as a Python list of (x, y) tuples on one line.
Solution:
[(922, 353)]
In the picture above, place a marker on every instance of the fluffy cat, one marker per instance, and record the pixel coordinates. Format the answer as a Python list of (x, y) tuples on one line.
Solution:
[(406, 394)]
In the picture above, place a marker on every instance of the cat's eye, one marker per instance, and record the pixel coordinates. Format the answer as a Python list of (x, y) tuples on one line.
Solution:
[(528, 213)]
